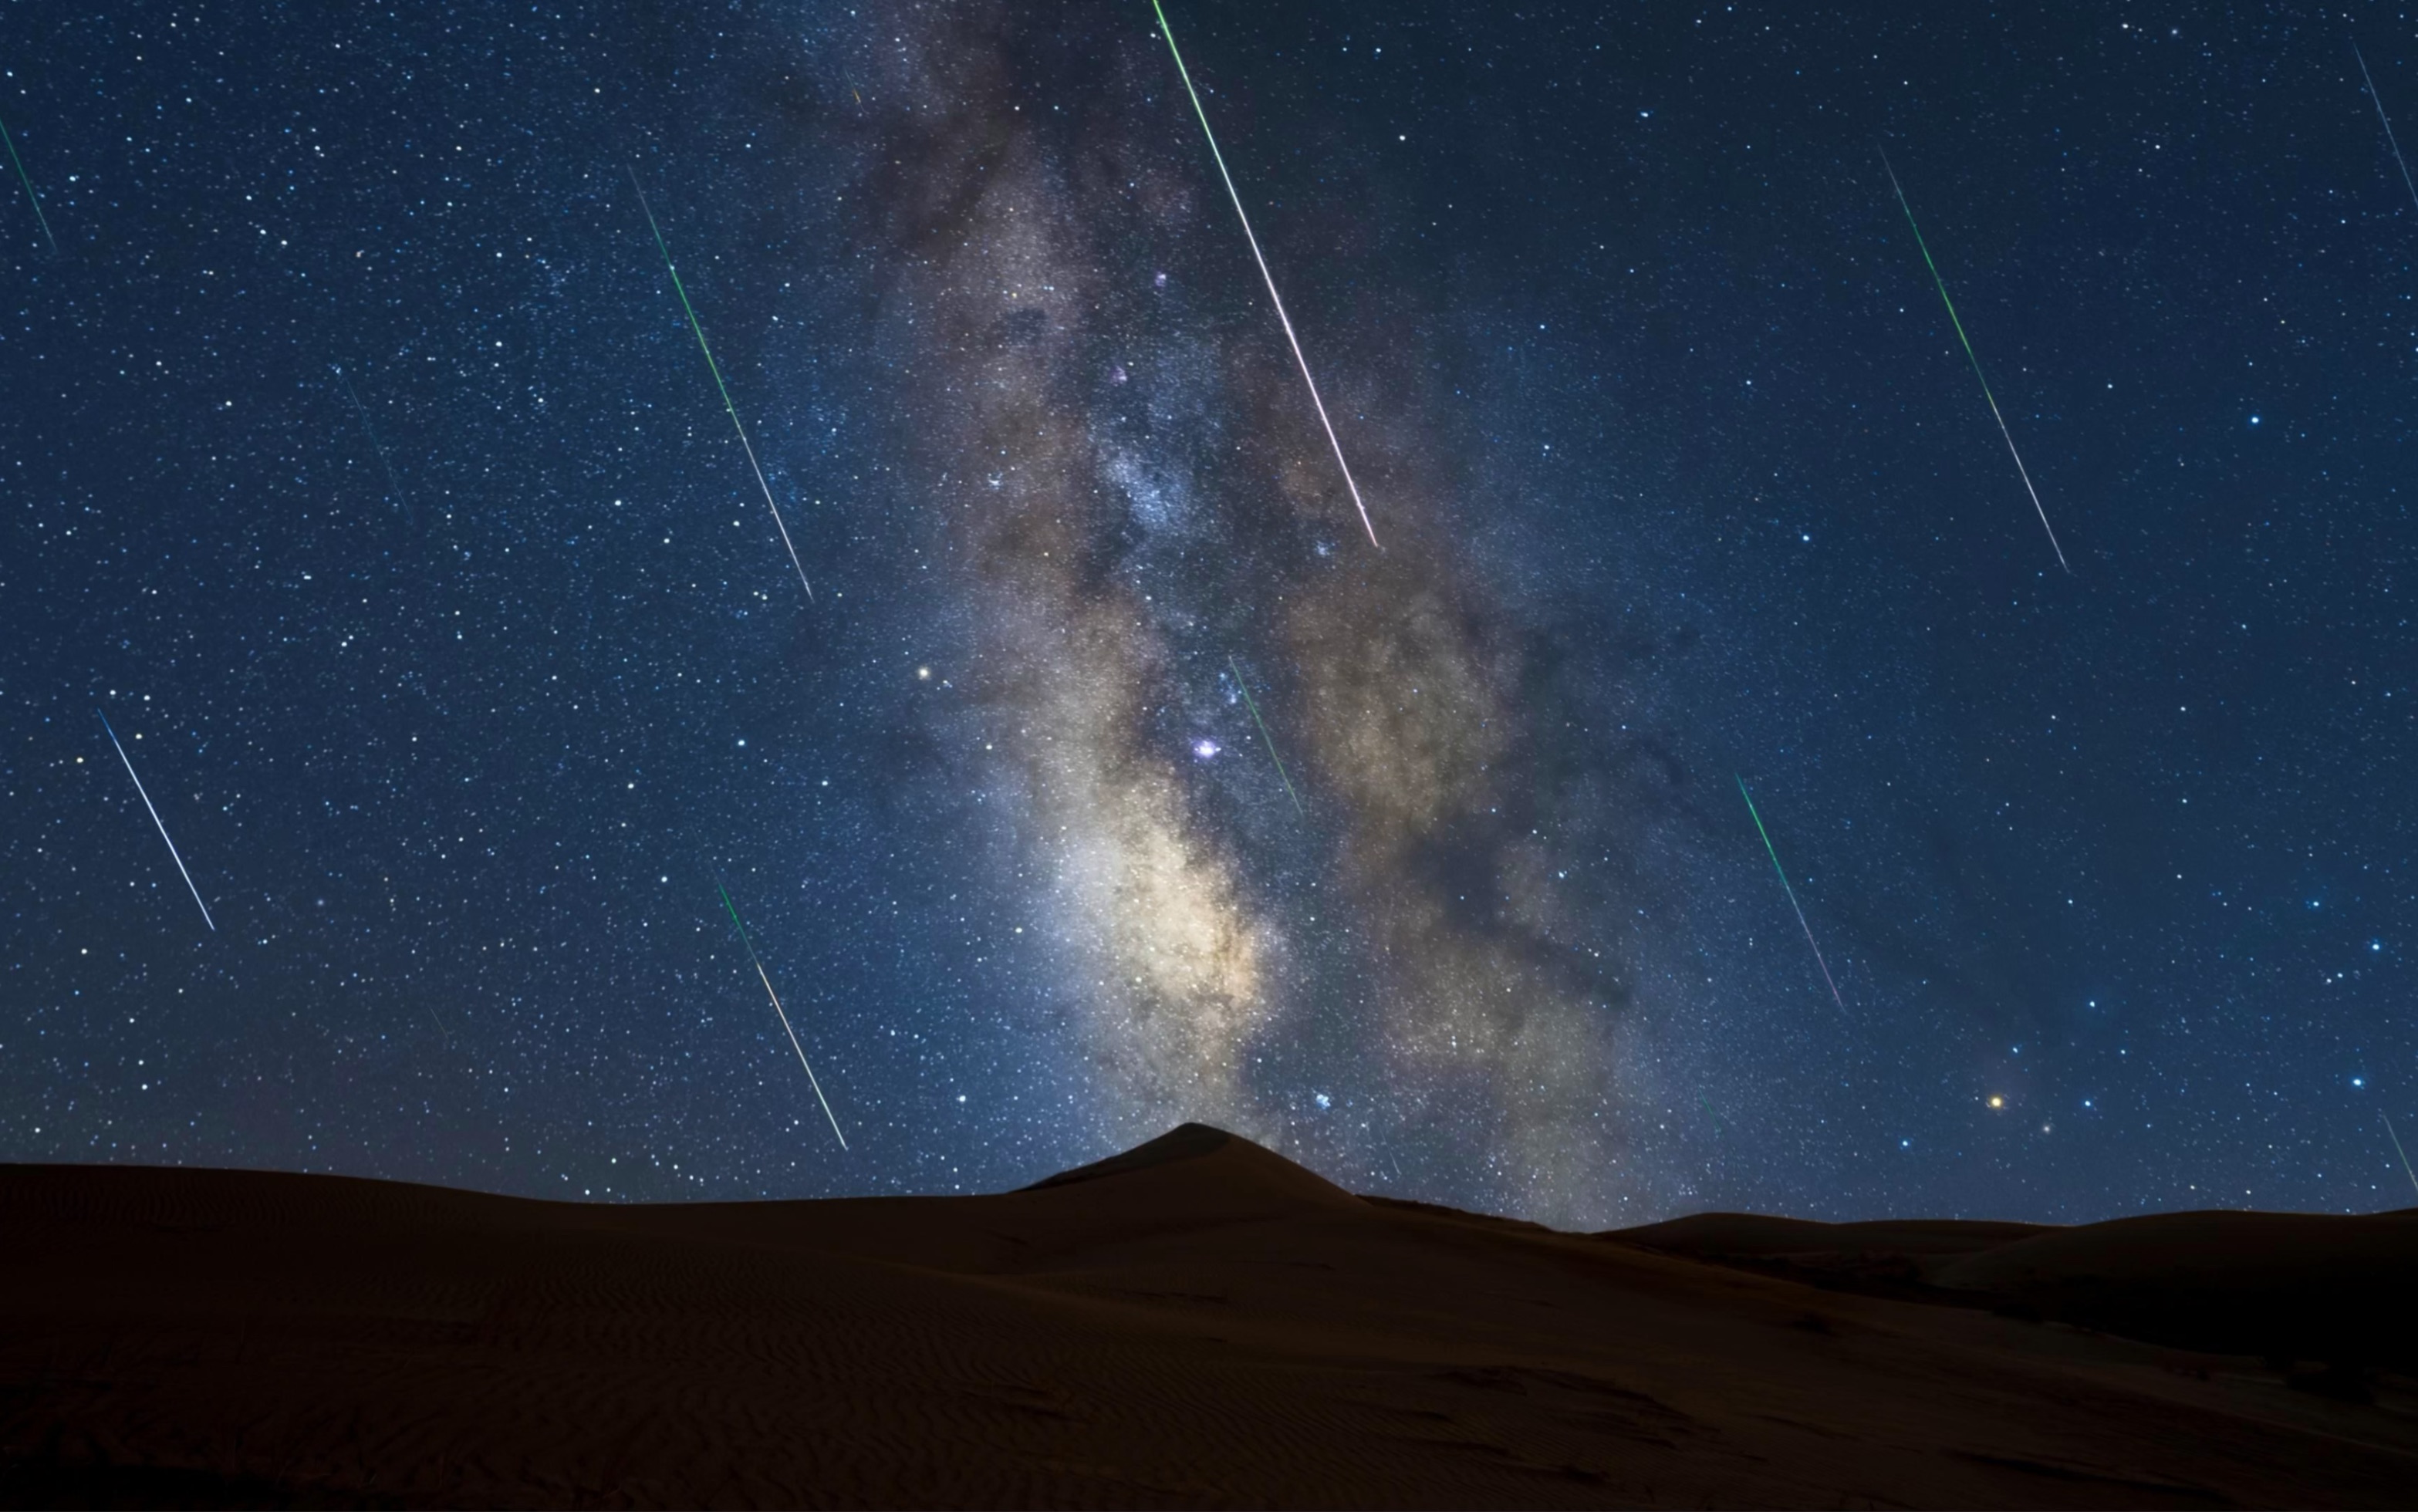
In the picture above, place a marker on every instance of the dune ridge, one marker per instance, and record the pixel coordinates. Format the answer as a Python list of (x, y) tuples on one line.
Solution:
[(1196, 1322)]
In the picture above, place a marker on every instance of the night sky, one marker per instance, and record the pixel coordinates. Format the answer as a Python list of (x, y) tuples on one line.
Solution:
[(359, 463)]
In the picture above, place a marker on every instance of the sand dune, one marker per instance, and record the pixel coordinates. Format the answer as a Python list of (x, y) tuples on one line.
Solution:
[(2328, 1289), (1196, 1322)]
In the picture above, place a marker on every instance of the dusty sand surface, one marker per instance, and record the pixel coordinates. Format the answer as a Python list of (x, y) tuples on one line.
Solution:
[(1196, 1323)]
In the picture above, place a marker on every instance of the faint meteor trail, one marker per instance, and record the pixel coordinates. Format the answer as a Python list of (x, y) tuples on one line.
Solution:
[(778, 1008), (163, 827), (2008, 436), (2377, 101), (394, 486), (2397, 1148), (715, 368), (1262, 723), (31, 198), (1266, 276), (1792, 896)]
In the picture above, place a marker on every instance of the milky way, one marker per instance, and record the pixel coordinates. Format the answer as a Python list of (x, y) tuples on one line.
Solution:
[(1137, 496)]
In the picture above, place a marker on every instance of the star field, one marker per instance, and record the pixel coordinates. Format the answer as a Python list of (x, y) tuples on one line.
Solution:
[(360, 464)]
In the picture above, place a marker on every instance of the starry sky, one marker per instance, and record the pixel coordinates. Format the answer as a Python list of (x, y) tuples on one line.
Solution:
[(359, 464)]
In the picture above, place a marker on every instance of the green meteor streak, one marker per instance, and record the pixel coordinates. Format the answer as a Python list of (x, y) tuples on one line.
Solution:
[(1792, 894), (1265, 277), (2008, 436), (1708, 1109), (31, 198), (715, 368), (1262, 723), (2397, 1147), (777, 1008)]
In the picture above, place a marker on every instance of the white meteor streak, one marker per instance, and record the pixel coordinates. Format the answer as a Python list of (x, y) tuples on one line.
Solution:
[(722, 388), (1266, 276), (2397, 1147), (783, 1013), (393, 484), (2390, 141), (163, 827), (802, 1052), (2009, 437)]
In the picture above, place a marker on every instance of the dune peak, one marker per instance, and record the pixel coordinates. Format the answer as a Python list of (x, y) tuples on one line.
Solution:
[(1186, 1141), (1209, 1159)]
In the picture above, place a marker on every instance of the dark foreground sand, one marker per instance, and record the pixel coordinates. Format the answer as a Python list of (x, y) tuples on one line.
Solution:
[(1196, 1323)]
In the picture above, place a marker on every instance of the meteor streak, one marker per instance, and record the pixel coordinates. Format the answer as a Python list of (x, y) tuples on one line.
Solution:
[(1792, 894), (1262, 723), (2397, 1147), (2379, 102), (393, 485), (1266, 276), (2008, 436), (715, 368), (163, 827), (31, 198), (778, 1008)]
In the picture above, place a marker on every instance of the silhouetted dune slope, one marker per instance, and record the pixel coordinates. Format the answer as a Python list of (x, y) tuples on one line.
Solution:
[(2320, 1287), (2306, 1286), (1196, 1322)]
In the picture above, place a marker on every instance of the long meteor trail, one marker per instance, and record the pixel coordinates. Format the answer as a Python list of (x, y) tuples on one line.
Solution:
[(163, 827), (2008, 436), (778, 1008), (31, 198), (392, 483), (1262, 723), (715, 368), (1266, 276), (1792, 894), (2379, 102)]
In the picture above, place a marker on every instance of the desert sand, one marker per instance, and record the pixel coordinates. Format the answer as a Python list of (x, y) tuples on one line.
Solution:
[(1196, 1323)]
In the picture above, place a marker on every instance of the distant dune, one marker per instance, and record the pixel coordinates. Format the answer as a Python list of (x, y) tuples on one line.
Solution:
[(1196, 1322), (2288, 1286)]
